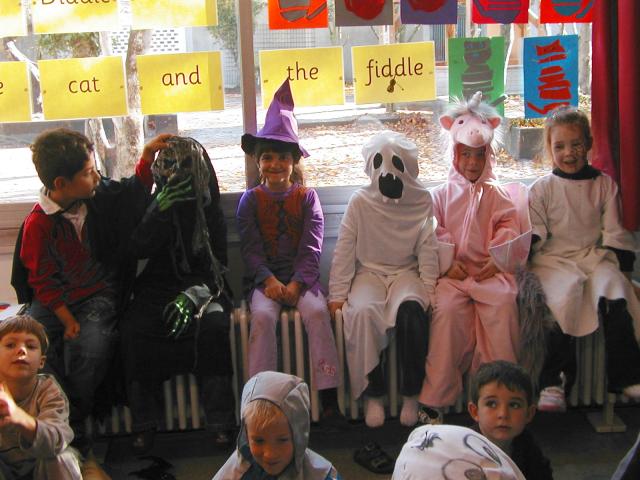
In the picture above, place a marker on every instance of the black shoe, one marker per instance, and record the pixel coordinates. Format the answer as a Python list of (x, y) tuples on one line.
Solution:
[(374, 459)]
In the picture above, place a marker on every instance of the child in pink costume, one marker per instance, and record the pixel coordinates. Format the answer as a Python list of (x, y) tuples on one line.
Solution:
[(475, 316)]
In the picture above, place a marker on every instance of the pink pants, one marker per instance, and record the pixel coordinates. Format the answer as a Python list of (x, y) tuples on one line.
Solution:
[(473, 323), (263, 347)]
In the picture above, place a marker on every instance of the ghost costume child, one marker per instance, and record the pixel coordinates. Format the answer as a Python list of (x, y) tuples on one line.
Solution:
[(474, 321), (385, 266), (291, 395)]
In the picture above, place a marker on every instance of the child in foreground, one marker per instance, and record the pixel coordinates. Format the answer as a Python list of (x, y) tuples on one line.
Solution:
[(274, 433), (34, 411), (502, 405)]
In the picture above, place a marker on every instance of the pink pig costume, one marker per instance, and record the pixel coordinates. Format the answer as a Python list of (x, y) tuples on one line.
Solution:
[(474, 322)]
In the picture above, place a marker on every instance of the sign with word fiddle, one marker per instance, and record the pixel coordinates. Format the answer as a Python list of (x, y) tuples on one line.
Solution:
[(180, 82), (15, 96), (351, 13), (402, 72), (286, 14), (566, 11), (73, 16), (83, 87), (12, 20), (477, 65), (428, 12), (315, 75), (500, 11), (149, 14), (550, 74)]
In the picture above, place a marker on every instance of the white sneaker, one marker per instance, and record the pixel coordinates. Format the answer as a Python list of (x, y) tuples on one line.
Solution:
[(552, 399), (409, 412), (373, 412), (632, 391)]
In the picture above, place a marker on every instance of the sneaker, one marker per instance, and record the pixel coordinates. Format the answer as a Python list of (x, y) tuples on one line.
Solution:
[(632, 391), (430, 415), (552, 399)]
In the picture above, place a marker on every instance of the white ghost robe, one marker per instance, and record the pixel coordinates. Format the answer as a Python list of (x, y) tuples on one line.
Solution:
[(576, 220), (386, 254)]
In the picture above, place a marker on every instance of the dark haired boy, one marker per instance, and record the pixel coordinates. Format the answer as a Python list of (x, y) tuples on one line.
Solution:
[(502, 405)]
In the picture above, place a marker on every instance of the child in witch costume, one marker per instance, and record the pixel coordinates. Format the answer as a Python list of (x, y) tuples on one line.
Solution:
[(281, 229)]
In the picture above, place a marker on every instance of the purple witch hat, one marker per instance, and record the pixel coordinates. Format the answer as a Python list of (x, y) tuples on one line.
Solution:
[(280, 124)]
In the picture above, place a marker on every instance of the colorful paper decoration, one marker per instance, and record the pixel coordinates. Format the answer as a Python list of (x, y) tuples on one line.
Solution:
[(402, 72), (566, 11), (12, 20), (500, 11), (477, 64), (316, 75), (73, 16), (363, 12), (286, 14), (83, 87), (149, 14), (181, 82), (428, 12), (550, 73), (15, 95)]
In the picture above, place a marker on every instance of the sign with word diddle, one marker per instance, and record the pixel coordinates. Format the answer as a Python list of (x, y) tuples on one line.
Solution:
[(403, 72), (315, 75), (72, 16), (83, 88), (12, 20), (181, 82), (15, 97), (150, 14)]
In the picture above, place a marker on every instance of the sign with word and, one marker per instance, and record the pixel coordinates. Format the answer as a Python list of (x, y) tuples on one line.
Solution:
[(566, 11), (181, 82), (72, 16), (286, 14), (315, 75), (500, 11), (83, 88), (15, 96), (428, 12), (149, 14), (350, 13), (402, 72), (550, 74), (12, 20), (477, 65)]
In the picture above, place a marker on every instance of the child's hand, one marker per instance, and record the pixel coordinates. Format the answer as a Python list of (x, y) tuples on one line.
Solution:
[(292, 293), (12, 414), (71, 329), (488, 270), (457, 271), (155, 145), (7, 406), (274, 289), (334, 307)]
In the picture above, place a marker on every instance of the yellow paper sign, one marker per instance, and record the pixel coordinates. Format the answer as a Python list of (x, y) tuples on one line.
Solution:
[(173, 13), (316, 75), (181, 82), (71, 16), (12, 19), (83, 88), (403, 72), (15, 98)]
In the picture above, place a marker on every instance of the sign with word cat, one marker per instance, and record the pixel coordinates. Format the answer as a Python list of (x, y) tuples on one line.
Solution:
[(181, 82), (149, 14), (83, 87), (566, 11), (550, 74), (402, 72), (477, 65), (73, 16), (428, 12), (12, 20), (15, 96), (500, 11), (315, 75), (286, 14), (351, 13)]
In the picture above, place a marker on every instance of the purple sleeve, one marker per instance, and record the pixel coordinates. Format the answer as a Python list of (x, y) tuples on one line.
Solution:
[(255, 260), (306, 266)]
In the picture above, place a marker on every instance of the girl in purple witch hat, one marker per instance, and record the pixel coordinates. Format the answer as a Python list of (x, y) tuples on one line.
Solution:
[(281, 229)]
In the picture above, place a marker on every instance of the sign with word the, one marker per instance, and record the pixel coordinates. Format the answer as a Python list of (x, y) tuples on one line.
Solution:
[(315, 75), (550, 74), (83, 88), (15, 96), (285, 14), (363, 12), (500, 11), (149, 14), (566, 11), (403, 72), (12, 20), (428, 12), (72, 16), (181, 82), (477, 65)]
